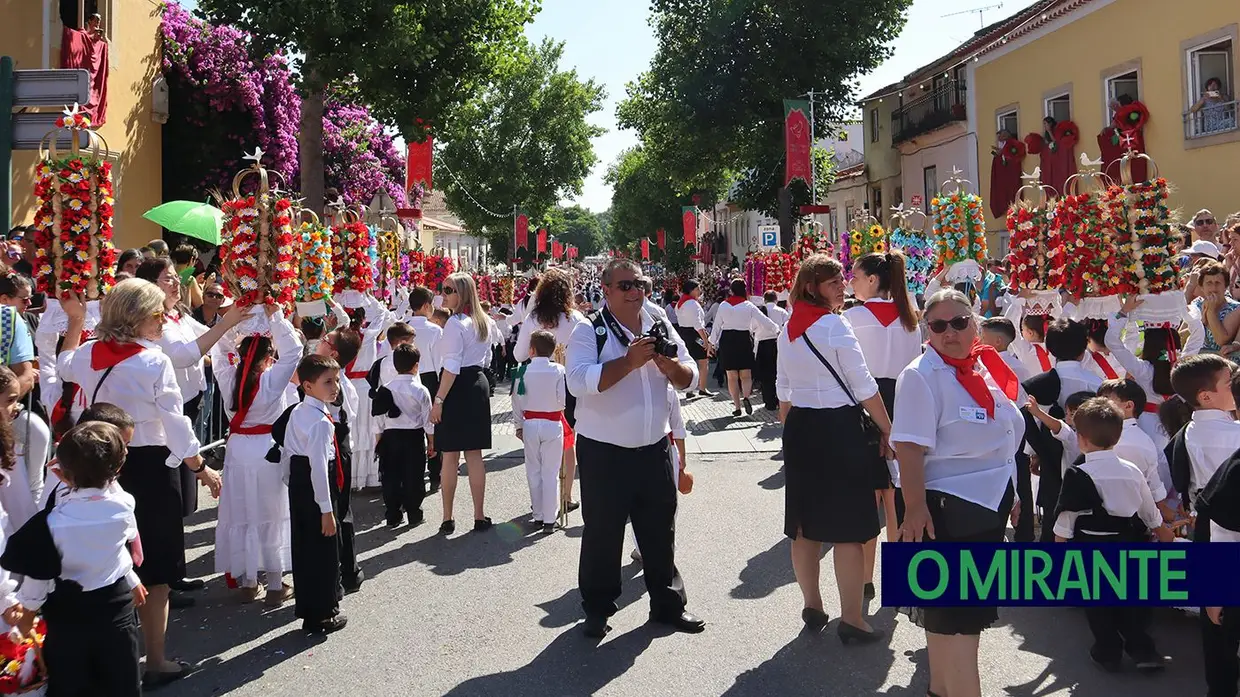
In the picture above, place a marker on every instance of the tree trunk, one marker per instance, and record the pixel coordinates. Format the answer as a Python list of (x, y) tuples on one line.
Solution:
[(311, 144)]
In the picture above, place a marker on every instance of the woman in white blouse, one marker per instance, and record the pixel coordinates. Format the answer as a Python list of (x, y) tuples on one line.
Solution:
[(691, 325), (553, 311), (956, 432), (462, 409), (733, 333), (887, 326), (829, 458), (126, 367)]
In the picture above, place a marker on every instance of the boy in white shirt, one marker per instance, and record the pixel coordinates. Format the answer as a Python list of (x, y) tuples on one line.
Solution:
[(1218, 520), (538, 407), (426, 335), (1000, 333), (1135, 445), (402, 410), (1204, 382)]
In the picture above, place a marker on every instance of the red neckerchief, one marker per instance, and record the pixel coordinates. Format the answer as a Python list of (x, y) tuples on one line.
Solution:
[(1102, 362), (175, 318), (972, 380), (1044, 358), (884, 312), (735, 300), (683, 299), (106, 354), (803, 317)]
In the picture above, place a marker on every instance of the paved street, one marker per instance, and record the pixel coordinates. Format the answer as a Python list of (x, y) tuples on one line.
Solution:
[(497, 613)]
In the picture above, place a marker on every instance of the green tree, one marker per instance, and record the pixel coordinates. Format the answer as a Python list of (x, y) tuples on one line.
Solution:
[(642, 201), (413, 63), (579, 227), (525, 140), (710, 107)]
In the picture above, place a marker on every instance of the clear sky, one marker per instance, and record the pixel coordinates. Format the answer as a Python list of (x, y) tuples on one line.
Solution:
[(611, 41)]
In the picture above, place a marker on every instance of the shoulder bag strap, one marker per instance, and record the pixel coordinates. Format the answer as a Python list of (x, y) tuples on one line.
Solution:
[(95, 395), (834, 374), (600, 337)]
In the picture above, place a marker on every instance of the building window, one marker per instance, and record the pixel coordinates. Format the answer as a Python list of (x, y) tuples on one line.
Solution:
[(899, 196), (1212, 93), (1059, 107), (1121, 90), (873, 125), (959, 75), (1007, 121), (930, 181), (70, 9), (877, 208)]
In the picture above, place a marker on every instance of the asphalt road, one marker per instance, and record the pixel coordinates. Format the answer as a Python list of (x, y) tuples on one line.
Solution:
[(497, 614)]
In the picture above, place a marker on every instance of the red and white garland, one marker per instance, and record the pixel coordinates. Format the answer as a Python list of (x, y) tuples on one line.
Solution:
[(351, 255), (259, 250)]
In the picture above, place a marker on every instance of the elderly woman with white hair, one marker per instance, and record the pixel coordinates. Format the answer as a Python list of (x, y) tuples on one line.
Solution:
[(956, 432), (126, 367)]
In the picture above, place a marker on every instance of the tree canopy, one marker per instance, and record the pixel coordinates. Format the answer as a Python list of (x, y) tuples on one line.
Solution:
[(577, 226), (710, 107), (525, 140), (644, 200)]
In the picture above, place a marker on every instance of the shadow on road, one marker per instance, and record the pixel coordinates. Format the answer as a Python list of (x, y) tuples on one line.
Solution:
[(566, 609)]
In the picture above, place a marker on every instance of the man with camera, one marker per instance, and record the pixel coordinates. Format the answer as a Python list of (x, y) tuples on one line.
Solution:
[(620, 367)]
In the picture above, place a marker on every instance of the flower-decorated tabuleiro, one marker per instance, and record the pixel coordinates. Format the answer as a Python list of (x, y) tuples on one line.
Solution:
[(258, 248), (908, 236), (387, 262), (316, 263), (959, 229), (22, 670), (351, 262), (73, 223), (1031, 261), (1086, 244)]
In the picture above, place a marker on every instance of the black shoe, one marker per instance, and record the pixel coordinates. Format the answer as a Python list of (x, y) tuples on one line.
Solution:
[(417, 518), (706, 393), (689, 394), (1110, 665), (482, 524), (815, 620), (748, 406), (447, 527), (573, 505), (736, 412), (393, 524), (596, 627), (179, 601), (684, 622), (548, 528), (186, 585), (869, 591), (849, 634), (152, 681), (355, 584), (1151, 663), (334, 624), (434, 487)]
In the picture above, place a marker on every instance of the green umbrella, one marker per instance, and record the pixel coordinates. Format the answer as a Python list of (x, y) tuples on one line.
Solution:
[(198, 220)]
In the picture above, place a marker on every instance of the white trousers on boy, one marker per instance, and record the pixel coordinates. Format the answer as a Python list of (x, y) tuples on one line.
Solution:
[(544, 450)]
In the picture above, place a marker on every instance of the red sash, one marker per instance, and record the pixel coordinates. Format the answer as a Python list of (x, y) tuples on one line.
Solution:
[(1102, 362), (569, 437), (355, 374), (1044, 358), (259, 430)]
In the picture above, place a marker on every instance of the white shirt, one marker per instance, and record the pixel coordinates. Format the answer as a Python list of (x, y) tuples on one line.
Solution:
[(460, 346), (1074, 377), (495, 336), (676, 420), (743, 316), (689, 315), (1017, 365), (1136, 447), (1211, 437), (271, 398), (887, 349), (414, 402), (975, 461), (144, 385), (654, 310), (1140, 370), (544, 389), (1122, 487), (348, 406), (1029, 353), (310, 434), (180, 342), (801, 378), (777, 314), (1218, 533), (634, 412), (91, 528), (426, 336), (563, 331), (23, 485), (1091, 362), (378, 320), (1071, 446), (670, 311)]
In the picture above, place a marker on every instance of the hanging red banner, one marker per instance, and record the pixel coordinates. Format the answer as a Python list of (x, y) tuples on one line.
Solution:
[(557, 249), (572, 252), (542, 241), (797, 141), (688, 218), (523, 231), (418, 168), (645, 249), (661, 238)]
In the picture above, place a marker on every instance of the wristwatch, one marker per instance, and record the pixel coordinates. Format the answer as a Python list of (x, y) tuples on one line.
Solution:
[(1121, 315), (438, 400)]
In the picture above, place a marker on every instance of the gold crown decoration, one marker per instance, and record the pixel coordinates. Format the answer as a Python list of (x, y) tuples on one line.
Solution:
[(1032, 260), (259, 252)]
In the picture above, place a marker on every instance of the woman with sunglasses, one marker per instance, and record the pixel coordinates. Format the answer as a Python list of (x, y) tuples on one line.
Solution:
[(823, 385), (888, 330), (956, 433), (126, 367), (462, 408)]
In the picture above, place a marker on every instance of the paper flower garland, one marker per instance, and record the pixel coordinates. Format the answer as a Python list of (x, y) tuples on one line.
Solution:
[(316, 263), (755, 274), (351, 256), (258, 250), (1030, 261), (20, 671), (506, 290), (919, 257), (811, 241), (869, 239), (1084, 245), (438, 269), (1154, 242), (73, 224), (959, 228)]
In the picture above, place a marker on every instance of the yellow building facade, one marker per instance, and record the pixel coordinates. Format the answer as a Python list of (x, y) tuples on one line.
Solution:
[(1075, 58), (31, 34)]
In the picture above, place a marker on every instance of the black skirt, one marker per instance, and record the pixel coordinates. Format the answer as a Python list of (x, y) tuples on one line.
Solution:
[(693, 342), (189, 481), (736, 350), (466, 422), (156, 489), (886, 390), (829, 470)]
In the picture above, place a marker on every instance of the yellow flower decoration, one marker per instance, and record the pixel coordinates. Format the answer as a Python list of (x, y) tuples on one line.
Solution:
[(855, 249), (856, 236), (880, 247), (12, 667)]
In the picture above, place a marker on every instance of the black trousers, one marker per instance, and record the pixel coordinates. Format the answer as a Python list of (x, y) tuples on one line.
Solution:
[(316, 557), (92, 642), (431, 382), (1118, 630), (402, 467), (347, 550), (189, 480), (1024, 492), (618, 485), (1218, 647), (765, 372)]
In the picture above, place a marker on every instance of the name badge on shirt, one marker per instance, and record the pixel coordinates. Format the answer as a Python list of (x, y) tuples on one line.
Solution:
[(975, 415)]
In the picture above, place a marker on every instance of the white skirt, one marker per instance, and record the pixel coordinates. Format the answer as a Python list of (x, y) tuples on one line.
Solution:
[(365, 468), (253, 532)]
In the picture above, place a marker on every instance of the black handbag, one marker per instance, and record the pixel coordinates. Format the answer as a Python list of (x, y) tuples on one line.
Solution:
[(873, 435)]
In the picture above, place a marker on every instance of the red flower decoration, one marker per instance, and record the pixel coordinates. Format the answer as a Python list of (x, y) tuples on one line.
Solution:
[(1033, 144), (1014, 150), (1132, 116), (1067, 135)]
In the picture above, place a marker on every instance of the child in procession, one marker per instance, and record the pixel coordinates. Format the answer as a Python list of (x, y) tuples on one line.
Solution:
[(1204, 382), (1135, 445), (402, 409), (538, 408)]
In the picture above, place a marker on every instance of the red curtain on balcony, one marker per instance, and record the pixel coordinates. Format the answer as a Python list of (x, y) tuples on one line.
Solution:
[(1005, 171), (80, 49)]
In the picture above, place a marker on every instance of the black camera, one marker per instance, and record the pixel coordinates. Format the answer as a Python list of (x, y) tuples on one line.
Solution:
[(662, 345)]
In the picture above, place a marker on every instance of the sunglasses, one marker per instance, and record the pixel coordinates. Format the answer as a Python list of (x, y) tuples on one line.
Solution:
[(625, 286), (961, 323), (447, 290), (213, 296), (1204, 221)]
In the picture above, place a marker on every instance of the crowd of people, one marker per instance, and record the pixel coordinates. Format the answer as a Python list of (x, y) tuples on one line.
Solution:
[(940, 411)]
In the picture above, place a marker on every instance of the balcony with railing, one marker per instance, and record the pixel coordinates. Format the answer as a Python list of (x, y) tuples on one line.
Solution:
[(942, 105), (1212, 119)]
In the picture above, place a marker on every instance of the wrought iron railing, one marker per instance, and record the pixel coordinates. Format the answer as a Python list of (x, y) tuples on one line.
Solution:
[(935, 109), (1211, 119)]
